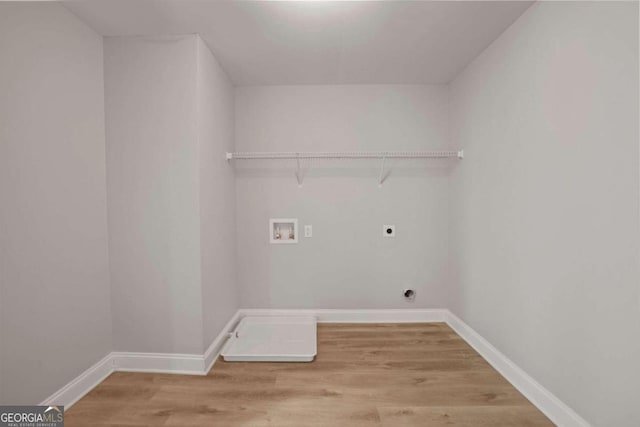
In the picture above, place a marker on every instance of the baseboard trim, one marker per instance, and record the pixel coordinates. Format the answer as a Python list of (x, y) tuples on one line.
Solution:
[(357, 316), (212, 353), (160, 363), (195, 364), (165, 363), (81, 385), (556, 410)]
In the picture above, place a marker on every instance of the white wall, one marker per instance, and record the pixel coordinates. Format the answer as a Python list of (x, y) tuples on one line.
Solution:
[(54, 269), (169, 121), (347, 263), (217, 195), (152, 181), (545, 206)]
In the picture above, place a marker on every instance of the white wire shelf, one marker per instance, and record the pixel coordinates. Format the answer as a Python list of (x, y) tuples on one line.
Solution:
[(383, 155), (347, 155)]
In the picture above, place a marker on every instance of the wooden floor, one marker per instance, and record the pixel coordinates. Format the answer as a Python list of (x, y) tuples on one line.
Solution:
[(364, 375)]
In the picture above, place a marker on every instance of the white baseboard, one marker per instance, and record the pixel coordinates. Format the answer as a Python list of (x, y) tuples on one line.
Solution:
[(211, 355), (357, 316), (81, 385), (556, 410), (195, 364), (164, 363)]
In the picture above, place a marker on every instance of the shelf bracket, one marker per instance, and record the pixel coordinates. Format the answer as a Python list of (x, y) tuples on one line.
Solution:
[(381, 177), (299, 176)]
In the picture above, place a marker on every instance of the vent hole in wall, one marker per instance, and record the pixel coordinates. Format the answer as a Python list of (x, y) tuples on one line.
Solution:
[(409, 294)]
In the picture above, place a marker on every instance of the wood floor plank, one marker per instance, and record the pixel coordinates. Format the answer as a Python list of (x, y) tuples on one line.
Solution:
[(364, 375), (463, 416)]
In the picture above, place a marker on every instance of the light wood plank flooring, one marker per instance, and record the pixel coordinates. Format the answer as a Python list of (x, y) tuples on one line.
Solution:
[(364, 375)]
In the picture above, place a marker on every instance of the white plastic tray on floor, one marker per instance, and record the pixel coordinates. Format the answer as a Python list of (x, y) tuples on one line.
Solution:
[(272, 339)]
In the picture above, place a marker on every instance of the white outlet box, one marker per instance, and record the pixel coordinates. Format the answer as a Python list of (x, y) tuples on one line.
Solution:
[(308, 231), (389, 230)]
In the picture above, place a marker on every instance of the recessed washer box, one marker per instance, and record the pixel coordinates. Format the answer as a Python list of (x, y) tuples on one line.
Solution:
[(283, 230), (272, 339)]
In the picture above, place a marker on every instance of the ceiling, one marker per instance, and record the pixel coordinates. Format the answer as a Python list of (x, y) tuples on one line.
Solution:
[(319, 42)]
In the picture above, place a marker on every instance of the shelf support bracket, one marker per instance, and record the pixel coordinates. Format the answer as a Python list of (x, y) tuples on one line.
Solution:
[(381, 177), (299, 176)]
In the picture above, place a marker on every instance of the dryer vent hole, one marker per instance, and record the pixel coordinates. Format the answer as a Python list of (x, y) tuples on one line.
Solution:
[(409, 294)]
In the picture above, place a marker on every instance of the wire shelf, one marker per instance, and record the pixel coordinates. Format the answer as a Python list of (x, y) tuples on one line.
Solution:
[(347, 155)]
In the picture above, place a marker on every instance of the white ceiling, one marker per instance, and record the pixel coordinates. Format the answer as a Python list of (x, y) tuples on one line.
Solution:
[(319, 42)]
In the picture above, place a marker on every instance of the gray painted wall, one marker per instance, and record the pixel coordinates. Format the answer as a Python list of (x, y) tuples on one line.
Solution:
[(545, 208), (152, 185), (54, 269), (169, 121), (217, 195), (347, 263)]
